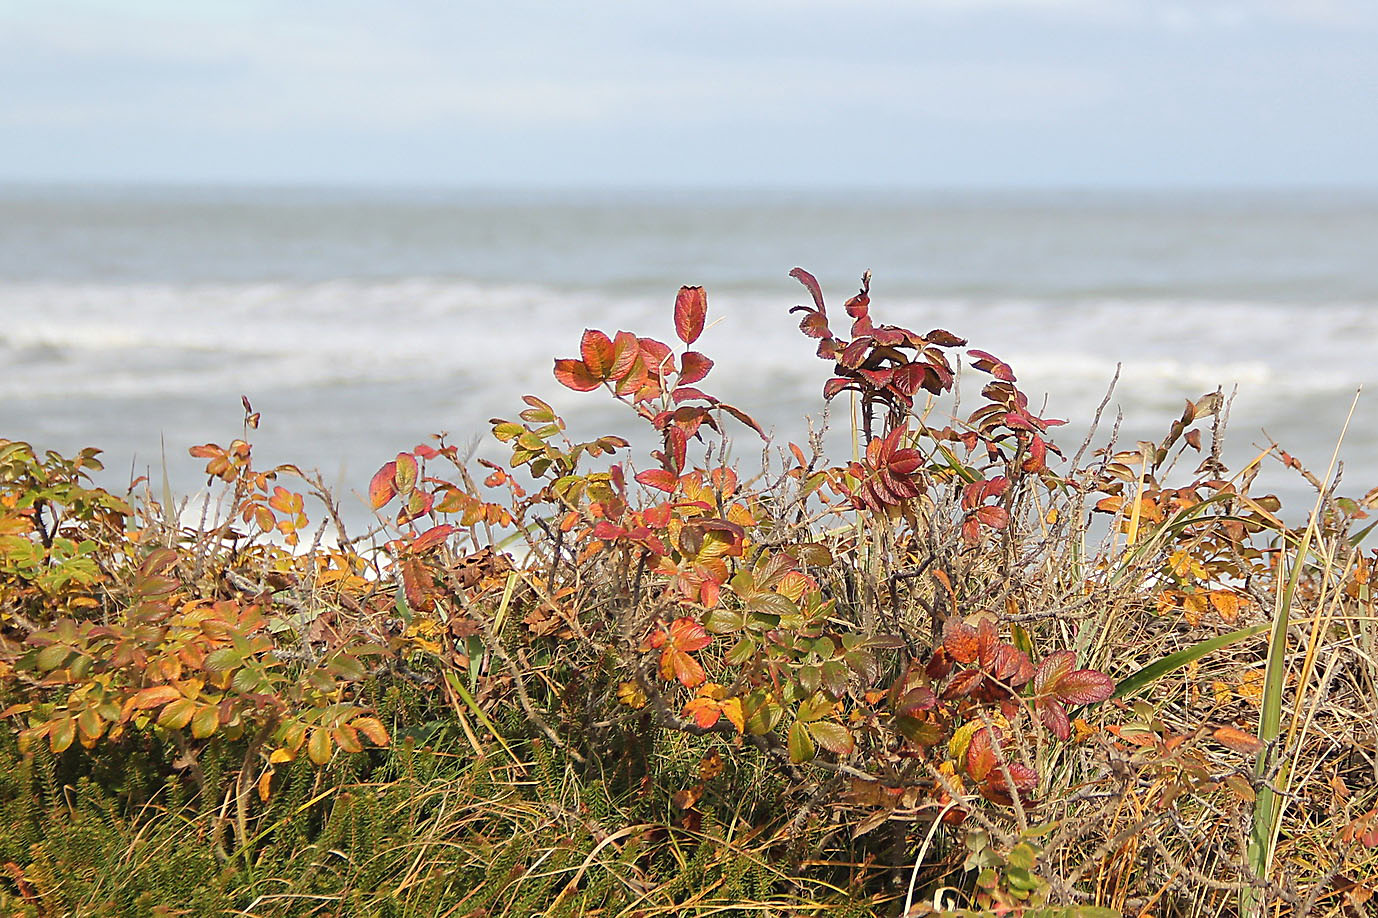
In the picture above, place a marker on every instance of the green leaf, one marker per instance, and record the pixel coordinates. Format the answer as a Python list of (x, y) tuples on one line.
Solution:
[(507, 430), (801, 747), (318, 748), (52, 656), (177, 714), (223, 660), (832, 736), (204, 722), (1132, 685)]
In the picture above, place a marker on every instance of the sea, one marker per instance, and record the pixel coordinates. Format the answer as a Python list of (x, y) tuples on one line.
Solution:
[(359, 322)]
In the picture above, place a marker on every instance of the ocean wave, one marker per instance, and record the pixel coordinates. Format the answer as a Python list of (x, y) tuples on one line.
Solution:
[(99, 340)]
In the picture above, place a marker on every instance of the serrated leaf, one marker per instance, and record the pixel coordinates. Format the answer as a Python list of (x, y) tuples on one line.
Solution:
[(1085, 686), (61, 734), (833, 737), (687, 634), (223, 660), (1052, 668), (204, 722), (318, 748), (693, 367), (153, 697), (52, 656), (432, 537), (597, 350), (659, 479), (177, 714), (572, 374)]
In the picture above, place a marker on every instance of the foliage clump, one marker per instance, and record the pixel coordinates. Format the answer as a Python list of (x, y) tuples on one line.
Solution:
[(579, 682)]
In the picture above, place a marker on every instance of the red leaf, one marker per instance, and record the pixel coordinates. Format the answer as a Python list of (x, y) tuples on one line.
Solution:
[(811, 284), (834, 386), (814, 324), (597, 350), (981, 758), (944, 338), (659, 479), (574, 375), (964, 683), (432, 537), (381, 489), (971, 531), (676, 444), (1052, 668), (1037, 460), (693, 367), (703, 711), (687, 393), (656, 354), (624, 353), (609, 531), (854, 354), (742, 416), (689, 635), (690, 308), (992, 365), (994, 517), (1085, 686), (1054, 717)]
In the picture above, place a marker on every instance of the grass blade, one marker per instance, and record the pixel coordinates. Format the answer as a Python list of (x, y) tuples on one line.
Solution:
[(1132, 685)]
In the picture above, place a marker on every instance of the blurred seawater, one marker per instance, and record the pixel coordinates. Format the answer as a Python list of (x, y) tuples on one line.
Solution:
[(359, 322)]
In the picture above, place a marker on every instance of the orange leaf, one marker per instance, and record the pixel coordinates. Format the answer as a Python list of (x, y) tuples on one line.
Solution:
[(153, 697), (597, 350), (574, 375), (625, 351), (1227, 603), (687, 634), (1238, 740), (703, 711), (675, 664), (381, 489)]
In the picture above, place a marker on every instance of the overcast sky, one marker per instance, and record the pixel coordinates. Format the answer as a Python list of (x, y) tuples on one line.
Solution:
[(737, 92)]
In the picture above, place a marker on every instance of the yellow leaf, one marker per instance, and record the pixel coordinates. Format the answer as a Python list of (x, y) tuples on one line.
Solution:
[(281, 755), (318, 748), (372, 728), (204, 722), (1251, 687), (630, 694), (265, 781), (732, 710)]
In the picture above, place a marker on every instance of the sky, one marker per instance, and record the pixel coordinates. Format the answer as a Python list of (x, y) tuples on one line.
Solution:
[(791, 93)]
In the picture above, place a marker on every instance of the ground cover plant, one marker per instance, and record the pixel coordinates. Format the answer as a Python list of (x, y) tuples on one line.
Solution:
[(958, 672)]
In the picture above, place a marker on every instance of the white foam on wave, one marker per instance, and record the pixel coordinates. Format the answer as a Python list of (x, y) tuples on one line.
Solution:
[(102, 340)]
